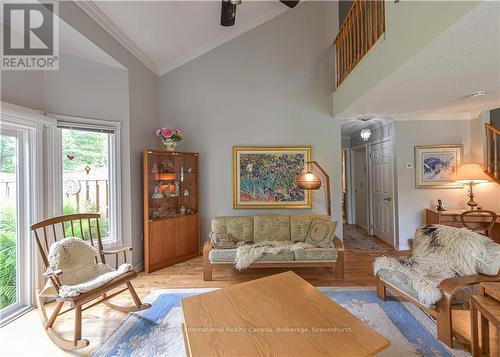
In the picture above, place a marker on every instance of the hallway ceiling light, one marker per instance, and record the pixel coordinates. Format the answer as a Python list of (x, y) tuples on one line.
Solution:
[(365, 134)]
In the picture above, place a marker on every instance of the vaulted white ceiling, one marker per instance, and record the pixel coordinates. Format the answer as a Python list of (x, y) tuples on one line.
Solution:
[(166, 34)]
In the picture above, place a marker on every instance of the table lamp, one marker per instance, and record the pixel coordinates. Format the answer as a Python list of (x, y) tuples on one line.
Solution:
[(309, 181), (471, 174)]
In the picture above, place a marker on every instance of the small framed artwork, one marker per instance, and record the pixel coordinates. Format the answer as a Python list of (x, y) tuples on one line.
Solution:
[(436, 166), (264, 177)]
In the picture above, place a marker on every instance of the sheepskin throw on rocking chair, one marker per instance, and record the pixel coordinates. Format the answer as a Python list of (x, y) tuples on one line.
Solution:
[(440, 252), (81, 273)]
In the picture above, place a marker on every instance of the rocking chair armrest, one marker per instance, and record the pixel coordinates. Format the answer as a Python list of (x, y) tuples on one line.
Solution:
[(117, 250), (50, 272), (451, 285)]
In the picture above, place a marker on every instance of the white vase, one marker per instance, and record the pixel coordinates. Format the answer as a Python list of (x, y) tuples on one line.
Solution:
[(169, 145)]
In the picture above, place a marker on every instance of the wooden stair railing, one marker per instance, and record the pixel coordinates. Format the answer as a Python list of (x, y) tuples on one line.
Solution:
[(492, 148), (362, 27)]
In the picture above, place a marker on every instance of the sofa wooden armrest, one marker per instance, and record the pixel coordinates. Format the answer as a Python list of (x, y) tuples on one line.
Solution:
[(450, 286), (443, 307), (207, 266)]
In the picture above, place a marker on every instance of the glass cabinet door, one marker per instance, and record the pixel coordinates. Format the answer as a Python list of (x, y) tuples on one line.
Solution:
[(172, 184)]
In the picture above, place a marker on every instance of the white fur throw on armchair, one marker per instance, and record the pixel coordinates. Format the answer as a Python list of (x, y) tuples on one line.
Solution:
[(441, 252), (80, 272)]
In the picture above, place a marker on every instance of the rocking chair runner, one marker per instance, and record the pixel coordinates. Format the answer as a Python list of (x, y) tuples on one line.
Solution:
[(53, 230)]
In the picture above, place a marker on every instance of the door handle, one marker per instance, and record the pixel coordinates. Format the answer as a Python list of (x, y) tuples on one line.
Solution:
[(388, 199)]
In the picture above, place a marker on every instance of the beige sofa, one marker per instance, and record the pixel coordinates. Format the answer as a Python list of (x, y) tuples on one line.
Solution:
[(272, 228)]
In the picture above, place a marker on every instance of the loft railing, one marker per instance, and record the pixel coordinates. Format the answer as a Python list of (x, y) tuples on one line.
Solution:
[(492, 152), (362, 27)]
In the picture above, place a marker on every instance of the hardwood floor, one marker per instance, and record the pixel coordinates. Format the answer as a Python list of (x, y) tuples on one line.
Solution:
[(25, 336)]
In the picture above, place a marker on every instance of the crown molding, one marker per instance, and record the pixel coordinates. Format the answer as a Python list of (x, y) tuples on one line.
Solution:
[(220, 41), (110, 27)]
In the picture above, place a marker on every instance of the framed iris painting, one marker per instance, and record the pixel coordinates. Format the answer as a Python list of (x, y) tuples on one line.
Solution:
[(436, 166), (264, 177)]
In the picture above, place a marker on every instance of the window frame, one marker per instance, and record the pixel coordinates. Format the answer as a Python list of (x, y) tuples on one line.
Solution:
[(115, 192), (27, 126)]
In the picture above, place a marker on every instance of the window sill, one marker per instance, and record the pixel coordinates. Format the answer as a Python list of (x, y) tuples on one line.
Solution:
[(14, 315)]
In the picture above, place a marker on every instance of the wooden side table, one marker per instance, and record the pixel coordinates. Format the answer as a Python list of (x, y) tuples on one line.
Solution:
[(488, 306)]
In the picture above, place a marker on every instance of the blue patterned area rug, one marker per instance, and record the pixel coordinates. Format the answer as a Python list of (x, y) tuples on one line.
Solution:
[(157, 331)]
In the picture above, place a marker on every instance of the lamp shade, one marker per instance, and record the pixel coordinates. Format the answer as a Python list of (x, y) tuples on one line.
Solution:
[(308, 181), (471, 173)]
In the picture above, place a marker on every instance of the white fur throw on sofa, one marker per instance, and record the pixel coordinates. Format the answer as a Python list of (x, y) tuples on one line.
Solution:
[(247, 254), (441, 252), (80, 271)]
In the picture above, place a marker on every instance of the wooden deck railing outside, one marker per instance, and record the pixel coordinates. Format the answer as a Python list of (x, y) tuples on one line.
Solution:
[(492, 149), (362, 27), (94, 193)]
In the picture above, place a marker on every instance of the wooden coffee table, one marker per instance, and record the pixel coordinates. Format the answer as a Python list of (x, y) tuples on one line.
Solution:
[(280, 315)]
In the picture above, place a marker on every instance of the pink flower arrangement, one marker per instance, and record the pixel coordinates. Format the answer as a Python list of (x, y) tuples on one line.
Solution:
[(167, 134)]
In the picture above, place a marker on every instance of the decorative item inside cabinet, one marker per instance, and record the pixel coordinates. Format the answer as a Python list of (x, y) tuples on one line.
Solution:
[(171, 201)]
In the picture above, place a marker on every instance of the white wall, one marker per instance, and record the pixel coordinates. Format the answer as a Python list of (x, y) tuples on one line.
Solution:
[(412, 202), (270, 86), (478, 138), (143, 110)]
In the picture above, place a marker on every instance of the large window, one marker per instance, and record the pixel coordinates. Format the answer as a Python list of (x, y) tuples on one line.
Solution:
[(50, 165), (89, 173)]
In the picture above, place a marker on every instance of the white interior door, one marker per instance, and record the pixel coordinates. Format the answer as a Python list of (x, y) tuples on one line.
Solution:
[(382, 191)]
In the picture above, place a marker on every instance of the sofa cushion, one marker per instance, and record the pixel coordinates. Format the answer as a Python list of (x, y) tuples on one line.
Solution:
[(401, 282), (271, 227), (316, 254), (321, 233), (300, 225), (222, 255), (398, 280), (239, 228), (229, 255), (221, 240)]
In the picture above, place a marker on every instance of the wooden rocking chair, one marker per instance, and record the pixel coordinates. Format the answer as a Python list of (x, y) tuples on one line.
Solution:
[(50, 231)]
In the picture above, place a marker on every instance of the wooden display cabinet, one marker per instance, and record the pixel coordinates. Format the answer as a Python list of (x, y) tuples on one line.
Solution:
[(171, 201)]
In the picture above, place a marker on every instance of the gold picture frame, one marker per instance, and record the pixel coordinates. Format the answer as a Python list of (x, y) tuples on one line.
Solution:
[(436, 166), (273, 184)]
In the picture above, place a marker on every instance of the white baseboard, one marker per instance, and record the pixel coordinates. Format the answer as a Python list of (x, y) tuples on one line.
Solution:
[(139, 267)]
